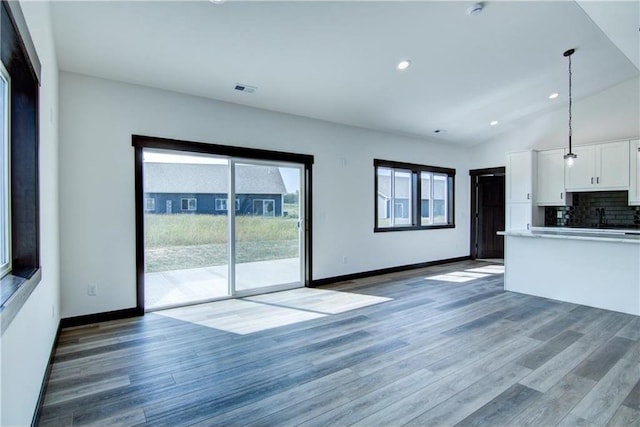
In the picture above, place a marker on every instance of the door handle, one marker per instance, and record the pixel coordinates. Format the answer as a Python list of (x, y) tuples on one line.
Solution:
[(528, 226), (598, 180), (592, 180), (528, 196)]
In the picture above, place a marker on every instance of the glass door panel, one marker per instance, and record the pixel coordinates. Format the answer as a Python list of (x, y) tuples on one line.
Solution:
[(268, 226), (185, 228)]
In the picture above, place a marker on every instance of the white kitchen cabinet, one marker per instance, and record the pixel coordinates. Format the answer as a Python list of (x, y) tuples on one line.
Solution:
[(599, 167), (550, 189), (521, 213), (580, 176), (519, 184), (634, 173), (519, 216)]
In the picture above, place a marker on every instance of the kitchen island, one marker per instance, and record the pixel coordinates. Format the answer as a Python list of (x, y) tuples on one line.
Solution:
[(598, 268)]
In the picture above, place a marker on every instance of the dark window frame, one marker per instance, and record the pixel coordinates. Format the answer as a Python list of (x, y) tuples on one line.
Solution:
[(416, 183), (140, 142), (20, 60)]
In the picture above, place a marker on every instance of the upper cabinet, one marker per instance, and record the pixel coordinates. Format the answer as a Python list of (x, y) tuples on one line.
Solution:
[(599, 167), (634, 173), (551, 190)]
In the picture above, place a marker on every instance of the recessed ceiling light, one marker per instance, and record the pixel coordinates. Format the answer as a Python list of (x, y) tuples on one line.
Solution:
[(217, 1), (554, 95), (403, 65), (493, 123)]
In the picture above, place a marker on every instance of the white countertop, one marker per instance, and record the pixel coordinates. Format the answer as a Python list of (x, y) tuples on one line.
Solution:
[(600, 235)]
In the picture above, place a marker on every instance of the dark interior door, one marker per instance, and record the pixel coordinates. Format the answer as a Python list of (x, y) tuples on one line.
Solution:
[(490, 216)]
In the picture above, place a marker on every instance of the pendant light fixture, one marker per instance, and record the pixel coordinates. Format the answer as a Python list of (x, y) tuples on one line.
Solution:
[(570, 157)]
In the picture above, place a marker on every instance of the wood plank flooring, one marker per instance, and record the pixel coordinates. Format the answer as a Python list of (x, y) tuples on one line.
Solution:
[(441, 346)]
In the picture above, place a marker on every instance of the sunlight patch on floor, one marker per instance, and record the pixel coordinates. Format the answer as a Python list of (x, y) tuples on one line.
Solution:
[(489, 269), (319, 300), (456, 278), (262, 312), (468, 275), (239, 316)]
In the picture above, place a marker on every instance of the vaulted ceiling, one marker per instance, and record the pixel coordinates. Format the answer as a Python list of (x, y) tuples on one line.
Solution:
[(336, 61)]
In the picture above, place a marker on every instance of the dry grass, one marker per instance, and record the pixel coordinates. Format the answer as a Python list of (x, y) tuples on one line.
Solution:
[(181, 241), (187, 230)]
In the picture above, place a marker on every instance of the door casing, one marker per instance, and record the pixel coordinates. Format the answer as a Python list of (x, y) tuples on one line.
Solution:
[(140, 142)]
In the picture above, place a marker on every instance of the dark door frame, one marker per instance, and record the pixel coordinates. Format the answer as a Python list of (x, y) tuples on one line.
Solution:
[(141, 142), (474, 174)]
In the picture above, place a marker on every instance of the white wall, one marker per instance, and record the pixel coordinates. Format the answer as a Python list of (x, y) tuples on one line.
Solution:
[(612, 114), (27, 343), (97, 219)]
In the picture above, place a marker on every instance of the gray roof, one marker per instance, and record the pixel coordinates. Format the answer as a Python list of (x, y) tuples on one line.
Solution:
[(210, 178)]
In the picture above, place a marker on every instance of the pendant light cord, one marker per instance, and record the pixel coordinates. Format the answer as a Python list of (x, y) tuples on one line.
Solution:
[(570, 128)]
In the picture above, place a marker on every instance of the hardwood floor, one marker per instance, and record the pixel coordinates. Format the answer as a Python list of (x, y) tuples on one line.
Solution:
[(441, 346)]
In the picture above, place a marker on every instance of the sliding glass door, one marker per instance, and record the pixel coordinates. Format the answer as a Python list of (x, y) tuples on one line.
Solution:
[(267, 226), (186, 237), (217, 227)]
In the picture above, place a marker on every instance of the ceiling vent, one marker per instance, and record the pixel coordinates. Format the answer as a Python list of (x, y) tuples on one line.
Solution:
[(245, 88)]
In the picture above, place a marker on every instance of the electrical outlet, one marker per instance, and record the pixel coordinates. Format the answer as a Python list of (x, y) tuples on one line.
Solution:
[(345, 260), (92, 289)]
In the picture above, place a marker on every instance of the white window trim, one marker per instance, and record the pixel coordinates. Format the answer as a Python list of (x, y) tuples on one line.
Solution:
[(5, 203), (148, 200), (264, 205), (221, 204), (189, 199)]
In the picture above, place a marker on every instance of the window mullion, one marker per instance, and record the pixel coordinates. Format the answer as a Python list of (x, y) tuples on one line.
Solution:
[(415, 198), (392, 207)]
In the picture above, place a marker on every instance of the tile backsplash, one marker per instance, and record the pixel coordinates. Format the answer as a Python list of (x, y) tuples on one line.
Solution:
[(608, 208)]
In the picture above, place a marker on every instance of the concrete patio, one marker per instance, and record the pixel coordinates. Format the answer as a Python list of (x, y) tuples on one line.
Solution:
[(171, 288)]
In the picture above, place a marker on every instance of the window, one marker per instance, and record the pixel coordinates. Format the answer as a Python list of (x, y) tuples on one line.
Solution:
[(5, 156), (19, 174), (412, 196), (264, 207), (394, 189), (433, 200), (149, 204), (190, 204), (221, 204)]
